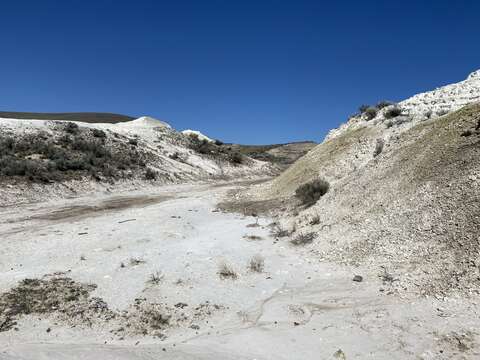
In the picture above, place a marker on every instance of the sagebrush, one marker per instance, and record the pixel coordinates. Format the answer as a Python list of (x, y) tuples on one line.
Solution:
[(312, 191)]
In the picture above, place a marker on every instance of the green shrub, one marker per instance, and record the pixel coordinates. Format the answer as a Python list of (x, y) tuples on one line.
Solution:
[(99, 133), (393, 112), (311, 192), (71, 128), (371, 112), (235, 158), (150, 174), (383, 104)]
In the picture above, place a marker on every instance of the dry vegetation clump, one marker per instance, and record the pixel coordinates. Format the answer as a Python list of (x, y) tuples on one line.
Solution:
[(59, 295), (312, 191), (136, 261), (253, 237), (226, 271), (257, 263), (303, 239), (278, 231), (155, 278), (378, 147), (315, 220), (155, 319)]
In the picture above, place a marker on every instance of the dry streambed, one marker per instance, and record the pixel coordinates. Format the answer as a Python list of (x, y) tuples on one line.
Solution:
[(166, 274)]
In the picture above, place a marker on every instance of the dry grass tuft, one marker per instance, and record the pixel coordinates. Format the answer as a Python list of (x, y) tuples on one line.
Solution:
[(226, 271), (303, 239), (257, 264)]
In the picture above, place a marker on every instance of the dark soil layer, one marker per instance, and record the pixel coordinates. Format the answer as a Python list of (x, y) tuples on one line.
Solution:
[(89, 117)]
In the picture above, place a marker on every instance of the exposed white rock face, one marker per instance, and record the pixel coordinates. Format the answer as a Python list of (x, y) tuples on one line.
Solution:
[(201, 136), (422, 106), (144, 122), (445, 99)]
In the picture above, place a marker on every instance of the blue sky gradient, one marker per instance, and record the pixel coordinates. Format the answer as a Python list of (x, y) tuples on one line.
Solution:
[(241, 71)]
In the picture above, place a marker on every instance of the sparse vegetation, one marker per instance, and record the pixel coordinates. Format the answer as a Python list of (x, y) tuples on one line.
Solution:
[(99, 133), (370, 112), (155, 278), (71, 128), (226, 271), (45, 296), (214, 150), (279, 232), (378, 147), (70, 152), (151, 174), (303, 239), (315, 220), (257, 263), (383, 104), (392, 112), (253, 237), (136, 261), (311, 192)]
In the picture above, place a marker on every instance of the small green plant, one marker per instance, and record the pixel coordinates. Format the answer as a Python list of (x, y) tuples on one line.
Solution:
[(311, 192)]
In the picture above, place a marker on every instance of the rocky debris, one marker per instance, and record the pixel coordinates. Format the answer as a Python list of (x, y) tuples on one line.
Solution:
[(70, 303), (52, 295), (154, 319)]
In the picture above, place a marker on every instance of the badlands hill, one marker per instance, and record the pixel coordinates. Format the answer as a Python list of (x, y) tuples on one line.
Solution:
[(404, 192), (44, 158)]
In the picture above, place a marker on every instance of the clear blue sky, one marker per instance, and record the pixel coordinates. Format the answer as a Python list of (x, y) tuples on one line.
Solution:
[(241, 71)]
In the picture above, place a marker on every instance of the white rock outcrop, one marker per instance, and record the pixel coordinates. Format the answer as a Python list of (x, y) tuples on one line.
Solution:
[(201, 136), (422, 106)]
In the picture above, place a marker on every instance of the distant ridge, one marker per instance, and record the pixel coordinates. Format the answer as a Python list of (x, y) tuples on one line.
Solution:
[(88, 117)]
